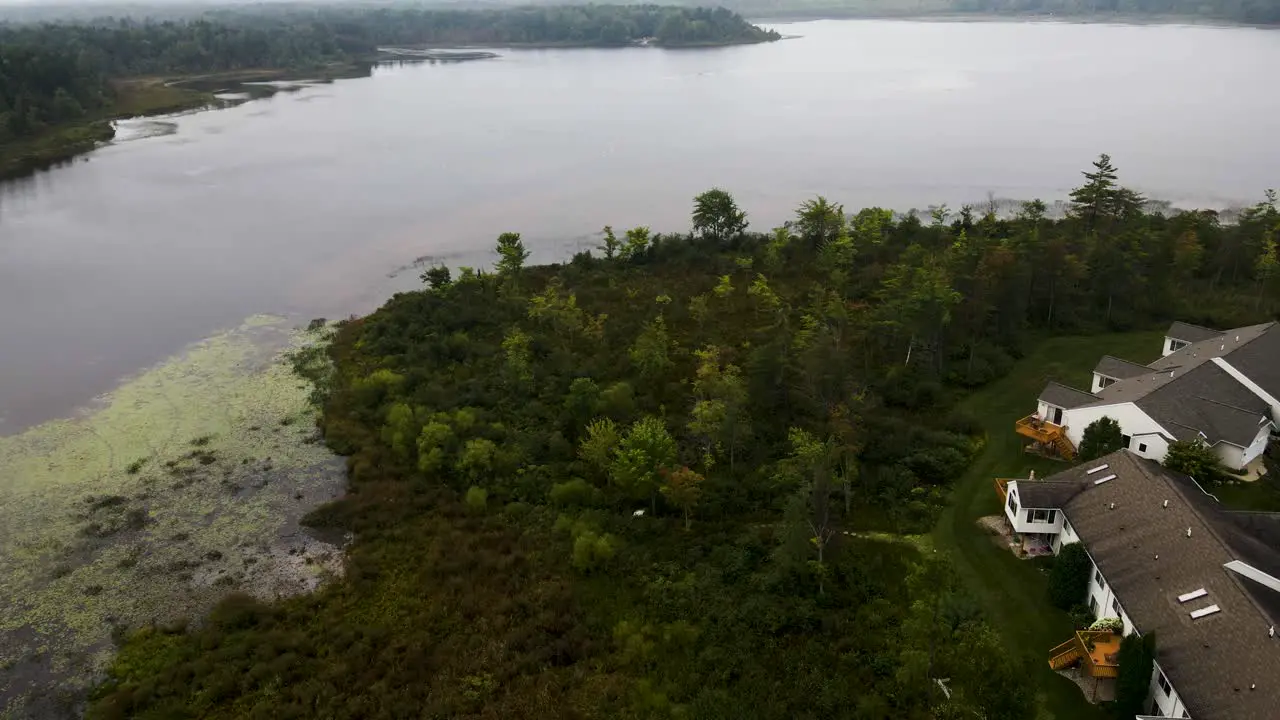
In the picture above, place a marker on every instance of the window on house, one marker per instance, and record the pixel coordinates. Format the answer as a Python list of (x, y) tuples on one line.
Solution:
[(1041, 516), (1165, 687), (1013, 504), (1125, 440), (1176, 345), (1142, 447), (1105, 381), (1097, 577), (1093, 605), (1115, 606)]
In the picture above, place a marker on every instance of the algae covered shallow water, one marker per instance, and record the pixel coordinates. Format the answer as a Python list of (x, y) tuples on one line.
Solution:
[(185, 483)]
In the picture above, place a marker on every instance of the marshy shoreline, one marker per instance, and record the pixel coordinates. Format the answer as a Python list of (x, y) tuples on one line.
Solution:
[(185, 484)]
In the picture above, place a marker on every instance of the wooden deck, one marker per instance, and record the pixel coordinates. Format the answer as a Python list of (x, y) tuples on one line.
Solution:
[(1104, 659), (1046, 433), (1097, 650)]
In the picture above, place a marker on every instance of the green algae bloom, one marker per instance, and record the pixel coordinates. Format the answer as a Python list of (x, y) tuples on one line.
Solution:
[(183, 484)]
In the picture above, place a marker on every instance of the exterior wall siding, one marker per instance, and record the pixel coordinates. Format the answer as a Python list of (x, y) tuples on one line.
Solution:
[(1156, 446), (1133, 422), (1019, 520), (1167, 704), (1259, 445), (1045, 411), (1230, 455)]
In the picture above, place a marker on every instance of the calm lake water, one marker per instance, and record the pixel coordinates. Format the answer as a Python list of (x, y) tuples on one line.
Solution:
[(313, 203)]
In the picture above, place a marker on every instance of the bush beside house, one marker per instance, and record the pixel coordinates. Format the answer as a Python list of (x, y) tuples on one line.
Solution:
[(1102, 436), (1069, 577)]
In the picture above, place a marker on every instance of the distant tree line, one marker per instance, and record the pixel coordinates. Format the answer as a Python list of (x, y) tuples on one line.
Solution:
[(56, 72), (1248, 11), (1243, 11)]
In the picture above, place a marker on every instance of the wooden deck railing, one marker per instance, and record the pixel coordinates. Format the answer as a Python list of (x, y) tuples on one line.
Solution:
[(1095, 649), (1043, 431), (1038, 430), (1065, 654), (1002, 489)]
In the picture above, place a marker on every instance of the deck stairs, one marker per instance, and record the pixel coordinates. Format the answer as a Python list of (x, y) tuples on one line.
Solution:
[(1065, 655)]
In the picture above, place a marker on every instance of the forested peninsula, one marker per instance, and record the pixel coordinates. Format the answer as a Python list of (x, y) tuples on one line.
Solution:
[(1250, 12), (61, 81), (692, 474)]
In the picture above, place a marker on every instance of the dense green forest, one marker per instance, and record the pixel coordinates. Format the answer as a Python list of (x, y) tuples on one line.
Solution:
[(1260, 12), (54, 73), (687, 475)]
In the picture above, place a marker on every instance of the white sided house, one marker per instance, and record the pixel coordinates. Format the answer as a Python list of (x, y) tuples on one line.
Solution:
[(1166, 559), (1222, 387)]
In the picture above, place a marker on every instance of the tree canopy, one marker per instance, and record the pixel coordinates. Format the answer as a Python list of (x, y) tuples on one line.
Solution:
[(1243, 11), (1195, 459), (1102, 436), (1069, 577), (683, 480)]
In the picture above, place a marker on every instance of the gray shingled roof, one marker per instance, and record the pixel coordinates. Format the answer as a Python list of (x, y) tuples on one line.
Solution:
[(1190, 395), (1190, 333), (1221, 345), (1259, 359), (1208, 400), (1045, 493), (1254, 538), (1064, 396), (1134, 388), (1143, 550), (1114, 367)]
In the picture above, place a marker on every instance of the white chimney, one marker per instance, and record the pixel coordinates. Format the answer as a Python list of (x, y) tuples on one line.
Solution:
[(1272, 631), (1188, 532), (1113, 506), (1033, 475), (1166, 503)]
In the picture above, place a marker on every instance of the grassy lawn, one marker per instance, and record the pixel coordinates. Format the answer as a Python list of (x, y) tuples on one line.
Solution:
[(1013, 590), (1258, 495)]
